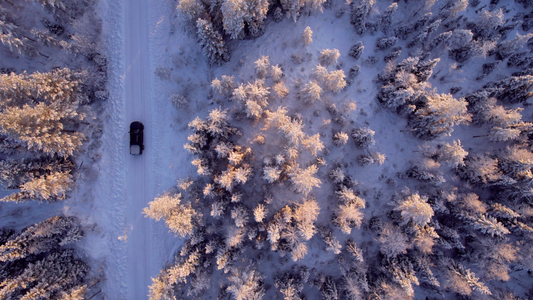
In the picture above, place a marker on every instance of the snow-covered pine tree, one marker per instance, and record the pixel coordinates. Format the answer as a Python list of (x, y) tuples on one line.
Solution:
[(276, 72), (256, 12), (328, 57), (289, 285), (335, 81), (453, 154), (14, 173), (261, 66), (340, 138), (41, 127), (440, 114), (307, 36), (240, 215), (223, 86), (211, 42), (303, 179), (311, 92), (280, 89), (260, 213), (414, 208), (179, 218)]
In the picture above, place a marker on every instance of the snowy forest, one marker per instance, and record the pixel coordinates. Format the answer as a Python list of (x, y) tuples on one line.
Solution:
[(392, 160), (321, 149), (52, 85)]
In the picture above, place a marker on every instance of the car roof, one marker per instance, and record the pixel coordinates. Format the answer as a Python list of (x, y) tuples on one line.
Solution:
[(136, 125)]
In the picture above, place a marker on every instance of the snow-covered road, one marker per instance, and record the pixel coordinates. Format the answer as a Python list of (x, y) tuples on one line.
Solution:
[(138, 101)]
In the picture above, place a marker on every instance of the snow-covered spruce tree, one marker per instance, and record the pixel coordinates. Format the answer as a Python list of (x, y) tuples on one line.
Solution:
[(454, 7), (42, 237), (356, 50), (392, 241), (440, 113), (359, 14), (233, 12), (462, 280), (517, 162), (385, 43), (427, 170), (289, 285), (303, 179), (509, 47), (179, 218), (261, 66), (332, 243), (52, 277), (386, 18), (402, 272), (191, 9), (363, 137), (328, 57), (307, 36), (487, 21), (479, 169), (489, 225), (52, 187), (247, 284), (211, 42), (513, 89), (415, 209), (14, 173)]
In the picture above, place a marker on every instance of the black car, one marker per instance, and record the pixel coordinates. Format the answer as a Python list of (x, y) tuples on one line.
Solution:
[(136, 138)]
